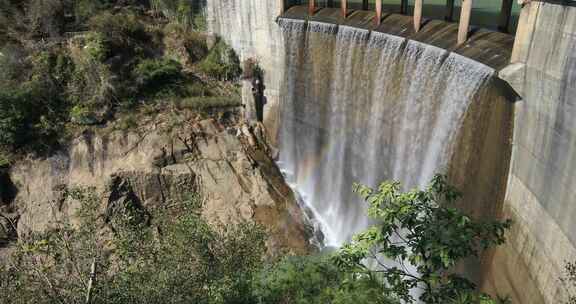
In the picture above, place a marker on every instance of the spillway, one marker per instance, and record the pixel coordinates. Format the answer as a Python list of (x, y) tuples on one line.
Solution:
[(361, 106)]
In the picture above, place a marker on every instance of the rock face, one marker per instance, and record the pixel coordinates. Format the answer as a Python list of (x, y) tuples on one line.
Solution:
[(541, 190), (161, 161)]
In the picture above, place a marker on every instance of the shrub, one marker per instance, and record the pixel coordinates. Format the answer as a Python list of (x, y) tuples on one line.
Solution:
[(4, 160), (92, 83), (177, 38), (28, 119), (95, 46), (82, 115), (311, 280), (123, 31), (181, 12), (13, 65), (221, 63), (422, 229), (181, 259), (32, 104), (154, 75)]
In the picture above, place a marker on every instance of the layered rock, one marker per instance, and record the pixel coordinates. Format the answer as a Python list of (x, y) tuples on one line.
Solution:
[(160, 161)]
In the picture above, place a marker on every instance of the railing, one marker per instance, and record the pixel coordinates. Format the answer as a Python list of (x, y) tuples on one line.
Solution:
[(464, 20)]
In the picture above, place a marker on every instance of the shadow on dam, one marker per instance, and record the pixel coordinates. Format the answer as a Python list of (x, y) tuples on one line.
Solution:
[(368, 104)]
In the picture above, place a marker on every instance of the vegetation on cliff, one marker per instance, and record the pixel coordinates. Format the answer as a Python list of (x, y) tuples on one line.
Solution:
[(67, 63)]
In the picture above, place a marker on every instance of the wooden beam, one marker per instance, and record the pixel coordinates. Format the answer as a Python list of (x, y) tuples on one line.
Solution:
[(311, 7), (464, 21), (505, 14), (404, 7), (417, 15), (344, 8), (449, 11), (365, 5), (378, 17)]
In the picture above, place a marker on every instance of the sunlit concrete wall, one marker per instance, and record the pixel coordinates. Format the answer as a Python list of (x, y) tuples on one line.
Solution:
[(249, 26), (541, 192)]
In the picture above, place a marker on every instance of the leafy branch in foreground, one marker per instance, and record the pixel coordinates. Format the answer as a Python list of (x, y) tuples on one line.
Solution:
[(419, 238)]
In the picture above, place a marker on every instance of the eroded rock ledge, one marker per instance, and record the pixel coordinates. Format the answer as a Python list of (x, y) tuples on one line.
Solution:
[(160, 160)]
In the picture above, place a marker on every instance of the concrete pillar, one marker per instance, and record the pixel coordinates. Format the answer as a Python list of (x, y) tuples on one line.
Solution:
[(404, 7), (449, 11), (344, 7), (505, 13), (311, 7), (417, 15), (365, 5), (282, 6), (464, 21), (378, 16)]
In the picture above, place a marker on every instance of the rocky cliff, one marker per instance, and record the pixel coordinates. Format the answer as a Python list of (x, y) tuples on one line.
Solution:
[(159, 160)]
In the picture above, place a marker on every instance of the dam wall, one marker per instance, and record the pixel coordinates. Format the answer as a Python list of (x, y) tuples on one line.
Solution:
[(249, 26), (541, 192)]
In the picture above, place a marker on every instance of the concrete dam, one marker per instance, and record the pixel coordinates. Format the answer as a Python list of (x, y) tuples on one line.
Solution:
[(357, 95)]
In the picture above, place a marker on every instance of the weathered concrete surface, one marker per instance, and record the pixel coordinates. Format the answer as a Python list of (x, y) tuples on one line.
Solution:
[(249, 27), (541, 194), (164, 158)]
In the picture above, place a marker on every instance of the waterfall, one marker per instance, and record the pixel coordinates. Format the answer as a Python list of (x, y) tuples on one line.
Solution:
[(361, 106)]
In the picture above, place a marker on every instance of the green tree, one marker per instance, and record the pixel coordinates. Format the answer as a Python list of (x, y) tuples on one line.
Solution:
[(419, 238), (315, 279)]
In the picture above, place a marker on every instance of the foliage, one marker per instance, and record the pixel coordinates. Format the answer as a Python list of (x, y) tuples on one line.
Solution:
[(12, 63), (152, 75), (179, 259), (95, 46), (182, 12), (83, 61), (302, 280), (91, 87), (52, 267), (4, 161), (29, 118), (31, 19), (421, 228), (123, 31), (221, 63), (194, 42), (32, 103)]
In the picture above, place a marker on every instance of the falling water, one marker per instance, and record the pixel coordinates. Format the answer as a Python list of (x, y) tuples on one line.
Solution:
[(360, 106)]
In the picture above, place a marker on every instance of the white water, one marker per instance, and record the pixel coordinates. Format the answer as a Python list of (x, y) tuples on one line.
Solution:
[(360, 106)]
